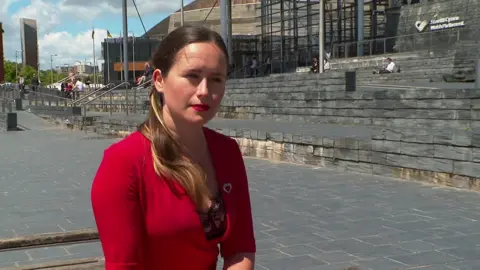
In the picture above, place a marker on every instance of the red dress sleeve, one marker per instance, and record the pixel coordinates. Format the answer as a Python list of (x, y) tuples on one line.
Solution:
[(117, 211), (241, 238)]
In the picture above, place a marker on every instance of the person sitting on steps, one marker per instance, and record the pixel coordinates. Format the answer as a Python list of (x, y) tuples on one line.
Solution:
[(390, 68)]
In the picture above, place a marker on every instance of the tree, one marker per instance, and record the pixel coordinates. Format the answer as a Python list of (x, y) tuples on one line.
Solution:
[(28, 73), (9, 67)]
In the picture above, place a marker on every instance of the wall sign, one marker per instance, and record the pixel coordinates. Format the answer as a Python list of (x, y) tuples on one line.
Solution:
[(440, 24)]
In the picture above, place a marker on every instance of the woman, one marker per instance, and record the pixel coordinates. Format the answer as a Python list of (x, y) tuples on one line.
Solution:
[(167, 195)]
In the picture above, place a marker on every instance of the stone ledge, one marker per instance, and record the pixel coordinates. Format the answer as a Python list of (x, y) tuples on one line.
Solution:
[(329, 158), (77, 264), (49, 239), (441, 162)]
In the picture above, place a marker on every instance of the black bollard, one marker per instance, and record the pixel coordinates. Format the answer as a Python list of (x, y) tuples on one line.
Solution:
[(350, 81), (11, 121), (19, 104)]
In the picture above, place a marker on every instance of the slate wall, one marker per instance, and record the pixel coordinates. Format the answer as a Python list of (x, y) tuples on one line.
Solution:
[(431, 135), (317, 99)]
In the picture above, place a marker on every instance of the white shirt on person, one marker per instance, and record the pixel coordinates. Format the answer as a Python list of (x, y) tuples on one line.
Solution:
[(390, 66)]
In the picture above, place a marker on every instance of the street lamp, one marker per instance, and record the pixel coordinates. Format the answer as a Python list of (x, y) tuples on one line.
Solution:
[(51, 67), (16, 63)]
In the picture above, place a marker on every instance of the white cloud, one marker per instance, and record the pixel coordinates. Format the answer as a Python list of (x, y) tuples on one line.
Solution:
[(70, 48)]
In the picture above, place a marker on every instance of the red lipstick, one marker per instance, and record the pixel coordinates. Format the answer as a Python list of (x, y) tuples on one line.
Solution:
[(201, 107)]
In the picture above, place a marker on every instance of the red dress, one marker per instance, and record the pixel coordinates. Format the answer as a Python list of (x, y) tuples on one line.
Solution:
[(148, 222)]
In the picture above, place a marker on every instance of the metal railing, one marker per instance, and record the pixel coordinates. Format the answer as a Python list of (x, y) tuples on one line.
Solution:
[(246, 72), (6, 104), (93, 93), (36, 97), (52, 85), (109, 91), (404, 43), (141, 86)]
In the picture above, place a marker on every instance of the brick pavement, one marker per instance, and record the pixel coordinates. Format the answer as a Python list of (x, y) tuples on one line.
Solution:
[(305, 217)]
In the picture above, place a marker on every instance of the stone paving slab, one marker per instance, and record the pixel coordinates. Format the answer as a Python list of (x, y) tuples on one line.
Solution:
[(31, 256), (305, 217)]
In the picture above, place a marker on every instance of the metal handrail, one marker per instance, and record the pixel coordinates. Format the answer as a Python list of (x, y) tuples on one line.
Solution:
[(6, 98), (48, 95), (94, 92), (136, 87), (104, 93), (6, 103), (66, 78), (135, 95), (101, 95)]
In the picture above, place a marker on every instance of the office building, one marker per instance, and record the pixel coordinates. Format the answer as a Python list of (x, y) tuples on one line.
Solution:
[(29, 39)]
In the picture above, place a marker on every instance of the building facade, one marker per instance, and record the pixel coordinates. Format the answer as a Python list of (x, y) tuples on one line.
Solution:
[(29, 39), (140, 51), (207, 13)]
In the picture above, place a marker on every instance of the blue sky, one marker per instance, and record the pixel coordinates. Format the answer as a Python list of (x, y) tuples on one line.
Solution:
[(64, 26), (112, 22)]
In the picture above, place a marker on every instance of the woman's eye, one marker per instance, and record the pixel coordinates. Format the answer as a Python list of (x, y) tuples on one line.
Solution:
[(193, 76)]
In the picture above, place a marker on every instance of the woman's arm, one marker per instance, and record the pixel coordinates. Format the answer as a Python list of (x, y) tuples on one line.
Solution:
[(240, 261), (239, 249), (116, 207)]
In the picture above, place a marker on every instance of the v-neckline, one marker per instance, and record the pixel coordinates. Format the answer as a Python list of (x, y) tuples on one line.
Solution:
[(213, 148)]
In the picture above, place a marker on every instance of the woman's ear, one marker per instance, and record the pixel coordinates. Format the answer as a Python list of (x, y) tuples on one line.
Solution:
[(158, 80)]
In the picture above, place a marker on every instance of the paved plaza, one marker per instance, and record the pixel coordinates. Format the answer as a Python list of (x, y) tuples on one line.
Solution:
[(305, 217)]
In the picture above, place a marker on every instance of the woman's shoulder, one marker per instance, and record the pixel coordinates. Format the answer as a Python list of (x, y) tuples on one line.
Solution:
[(130, 147), (221, 140)]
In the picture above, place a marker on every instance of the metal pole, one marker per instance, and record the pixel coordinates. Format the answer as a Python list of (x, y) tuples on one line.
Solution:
[(229, 32), (182, 19), (108, 64), (321, 36), (94, 62), (224, 21), (134, 75), (51, 69), (360, 25), (477, 78), (16, 65), (125, 41)]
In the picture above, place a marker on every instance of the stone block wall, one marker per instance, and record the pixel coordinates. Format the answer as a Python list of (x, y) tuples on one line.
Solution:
[(312, 98), (450, 159)]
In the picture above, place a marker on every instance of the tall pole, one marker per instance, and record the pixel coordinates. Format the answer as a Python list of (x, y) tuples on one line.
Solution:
[(321, 36), (51, 67), (133, 52), (125, 41), (182, 19), (16, 66), (94, 61), (224, 21), (360, 25), (108, 64), (229, 32)]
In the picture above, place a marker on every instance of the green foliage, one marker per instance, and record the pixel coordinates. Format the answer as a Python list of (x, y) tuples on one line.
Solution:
[(9, 71), (29, 72)]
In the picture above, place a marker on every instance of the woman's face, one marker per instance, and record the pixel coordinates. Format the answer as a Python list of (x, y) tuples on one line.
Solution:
[(195, 85)]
